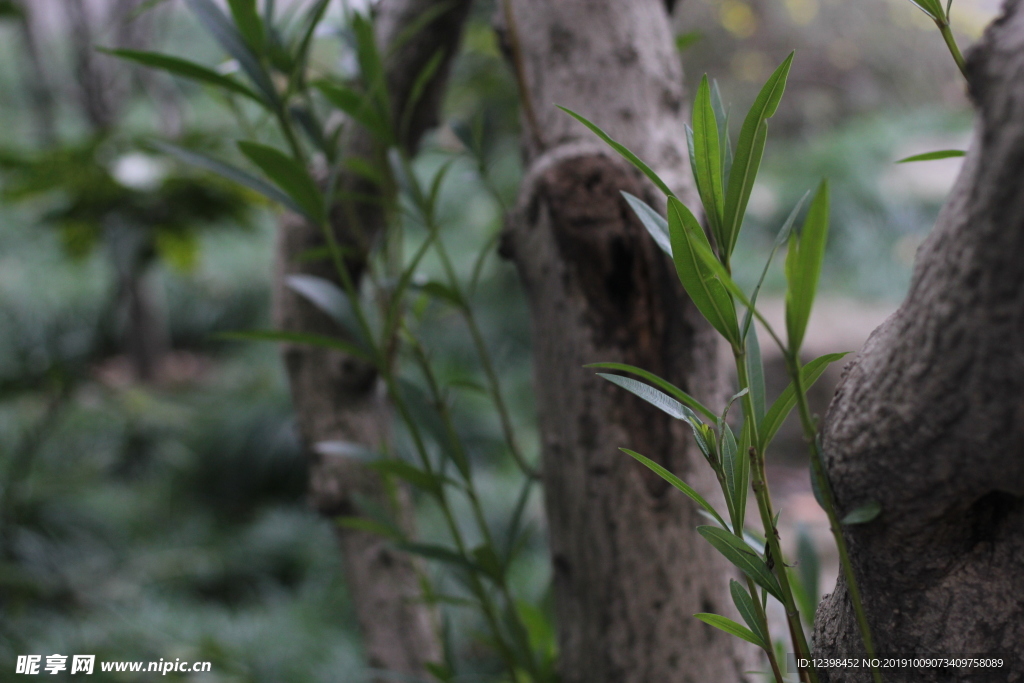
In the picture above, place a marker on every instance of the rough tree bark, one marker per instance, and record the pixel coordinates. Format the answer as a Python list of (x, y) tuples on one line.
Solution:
[(629, 569), (929, 420), (338, 398)]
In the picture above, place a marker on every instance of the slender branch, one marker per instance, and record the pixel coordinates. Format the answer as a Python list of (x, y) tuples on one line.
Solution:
[(947, 35), (818, 471), (764, 504)]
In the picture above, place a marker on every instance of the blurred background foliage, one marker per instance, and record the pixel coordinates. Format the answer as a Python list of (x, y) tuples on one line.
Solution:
[(152, 485)]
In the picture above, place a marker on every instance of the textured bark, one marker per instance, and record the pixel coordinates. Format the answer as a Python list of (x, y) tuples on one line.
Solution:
[(337, 397), (929, 421), (629, 569)]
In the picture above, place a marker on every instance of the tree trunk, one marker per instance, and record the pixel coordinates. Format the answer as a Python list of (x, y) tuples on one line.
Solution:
[(629, 568), (929, 420), (339, 398)]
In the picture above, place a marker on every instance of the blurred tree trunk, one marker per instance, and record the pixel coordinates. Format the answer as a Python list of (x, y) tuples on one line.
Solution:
[(629, 568), (929, 421), (339, 398)]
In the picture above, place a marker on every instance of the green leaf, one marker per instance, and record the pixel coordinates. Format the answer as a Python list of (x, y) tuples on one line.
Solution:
[(371, 526), (735, 468), (806, 575), (489, 562), (722, 117), (419, 86), (229, 172), (443, 293), (656, 398), (932, 156), (708, 162), (672, 389), (932, 8), (298, 338), (425, 481), (249, 24), (779, 410), (745, 605), (185, 69), (706, 289), (622, 150), (676, 482), (439, 553), (863, 514), (314, 16), (803, 267), (652, 220), (739, 553), (666, 404), (10, 10), (330, 299), (685, 41), (290, 175), (357, 106), (225, 33), (731, 627), (818, 482), (749, 151), (371, 66)]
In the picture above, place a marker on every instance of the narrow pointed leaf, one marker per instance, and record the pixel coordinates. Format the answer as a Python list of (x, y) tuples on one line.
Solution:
[(665, 385), (806, 575), (725, 143), (803, 267), (779, 410), (424, 481), (656, 398), (249, 24), (652, 220), (676, 482), (739, 553), (745, 606), (731, 627), (932, 156), (313, 18), (439, 553), (930, 7), (622, 150), (185, 69), (225, 33), (706, 290), (231, 173), (288, 174), (419, 86), (707, 155), (863, 514), (357, 106), (330, 299), (749, 150)]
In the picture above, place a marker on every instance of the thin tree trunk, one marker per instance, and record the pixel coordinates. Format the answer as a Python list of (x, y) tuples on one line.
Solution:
[(339, 398), (929, 420), (629, 568)]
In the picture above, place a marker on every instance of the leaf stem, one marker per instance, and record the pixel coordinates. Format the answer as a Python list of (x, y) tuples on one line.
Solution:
[(818, 472), (947, 35)]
